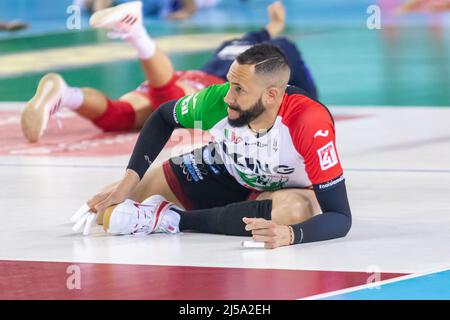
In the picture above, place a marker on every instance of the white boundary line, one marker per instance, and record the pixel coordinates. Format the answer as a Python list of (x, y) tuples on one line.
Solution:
[(367, 286)]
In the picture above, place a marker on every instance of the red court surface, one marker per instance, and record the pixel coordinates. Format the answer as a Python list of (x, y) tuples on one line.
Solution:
[(79, 137), (49, 280)]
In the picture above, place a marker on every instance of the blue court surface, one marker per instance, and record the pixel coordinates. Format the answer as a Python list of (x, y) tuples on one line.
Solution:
[(431, 286)]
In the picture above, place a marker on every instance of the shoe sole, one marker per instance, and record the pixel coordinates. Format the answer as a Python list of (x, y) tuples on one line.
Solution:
[(104, 18), (34, 116), (107, 218)]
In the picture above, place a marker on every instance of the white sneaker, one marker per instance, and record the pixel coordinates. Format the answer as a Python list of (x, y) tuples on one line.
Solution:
[(151, 216), (46, 102), (122, 20)]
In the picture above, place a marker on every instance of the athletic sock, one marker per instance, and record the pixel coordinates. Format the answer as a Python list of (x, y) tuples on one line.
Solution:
[(72, 98), (142, 42), (225, 220)]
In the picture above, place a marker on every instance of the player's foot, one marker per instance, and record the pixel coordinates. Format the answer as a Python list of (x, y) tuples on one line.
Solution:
[(46, 102), (153, 215), (122, 20), (125, 22), (277, 18)]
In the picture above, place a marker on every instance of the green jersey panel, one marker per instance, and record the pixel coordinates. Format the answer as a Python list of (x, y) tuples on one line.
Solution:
[(205, 107)]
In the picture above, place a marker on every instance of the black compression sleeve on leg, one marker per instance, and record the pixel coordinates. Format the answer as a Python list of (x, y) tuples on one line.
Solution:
[(225, 220)]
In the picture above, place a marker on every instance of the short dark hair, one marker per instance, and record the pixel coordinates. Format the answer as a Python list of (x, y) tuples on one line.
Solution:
[(267, 58)]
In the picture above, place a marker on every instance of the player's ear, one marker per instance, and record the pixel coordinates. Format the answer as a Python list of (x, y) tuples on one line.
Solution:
[(272, 93)]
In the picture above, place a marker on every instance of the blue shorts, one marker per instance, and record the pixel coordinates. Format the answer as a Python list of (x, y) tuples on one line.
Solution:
[(229, 50)]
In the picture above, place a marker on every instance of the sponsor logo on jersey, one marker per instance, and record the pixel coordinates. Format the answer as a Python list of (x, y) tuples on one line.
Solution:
[(186, 101), (255, 165), (259, 144), (231, 135), (174, 115), (263, 182), (275, 145), (330, 184), (327, 156), (147, 158), (321, 133), (191, 169), (210, 161)]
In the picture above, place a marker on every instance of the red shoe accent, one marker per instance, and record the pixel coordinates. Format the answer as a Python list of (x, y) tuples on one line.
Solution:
[(161, 207)]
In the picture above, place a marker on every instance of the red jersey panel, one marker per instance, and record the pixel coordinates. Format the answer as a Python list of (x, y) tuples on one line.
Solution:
[(313, 134)]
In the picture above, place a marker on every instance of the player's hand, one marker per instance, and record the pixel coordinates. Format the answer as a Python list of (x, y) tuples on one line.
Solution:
[(96, 206), (83, 218), (273, 235), (117, 194), (103, 200), (98, 198)]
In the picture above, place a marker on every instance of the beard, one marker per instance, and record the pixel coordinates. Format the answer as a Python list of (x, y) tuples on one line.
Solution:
[(245, 117)]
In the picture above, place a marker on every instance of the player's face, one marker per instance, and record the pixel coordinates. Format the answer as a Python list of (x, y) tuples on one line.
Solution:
[(244, 98), (239, 118)]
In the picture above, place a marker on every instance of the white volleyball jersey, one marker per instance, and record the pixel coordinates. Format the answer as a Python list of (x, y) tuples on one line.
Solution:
[(298, 151)]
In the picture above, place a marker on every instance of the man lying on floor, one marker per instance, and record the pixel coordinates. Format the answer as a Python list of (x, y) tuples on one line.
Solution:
[(271, 172)]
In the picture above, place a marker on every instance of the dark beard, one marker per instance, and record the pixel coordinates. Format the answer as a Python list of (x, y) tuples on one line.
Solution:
[(247, 116)]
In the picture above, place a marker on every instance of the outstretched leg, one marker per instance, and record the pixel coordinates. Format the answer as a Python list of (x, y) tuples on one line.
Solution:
[(284, 207), (229, 50), (131, 110)]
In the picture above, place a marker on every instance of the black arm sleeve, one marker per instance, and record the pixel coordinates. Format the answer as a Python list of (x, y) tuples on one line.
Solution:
[(334, 222), (153, 137)]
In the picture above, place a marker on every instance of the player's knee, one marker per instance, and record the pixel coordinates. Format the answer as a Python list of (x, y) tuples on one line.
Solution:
[(290, 209), (118, 116), (299, 211)]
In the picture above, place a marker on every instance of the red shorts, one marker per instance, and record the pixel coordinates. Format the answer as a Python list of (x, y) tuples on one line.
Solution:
[(198, 80)]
